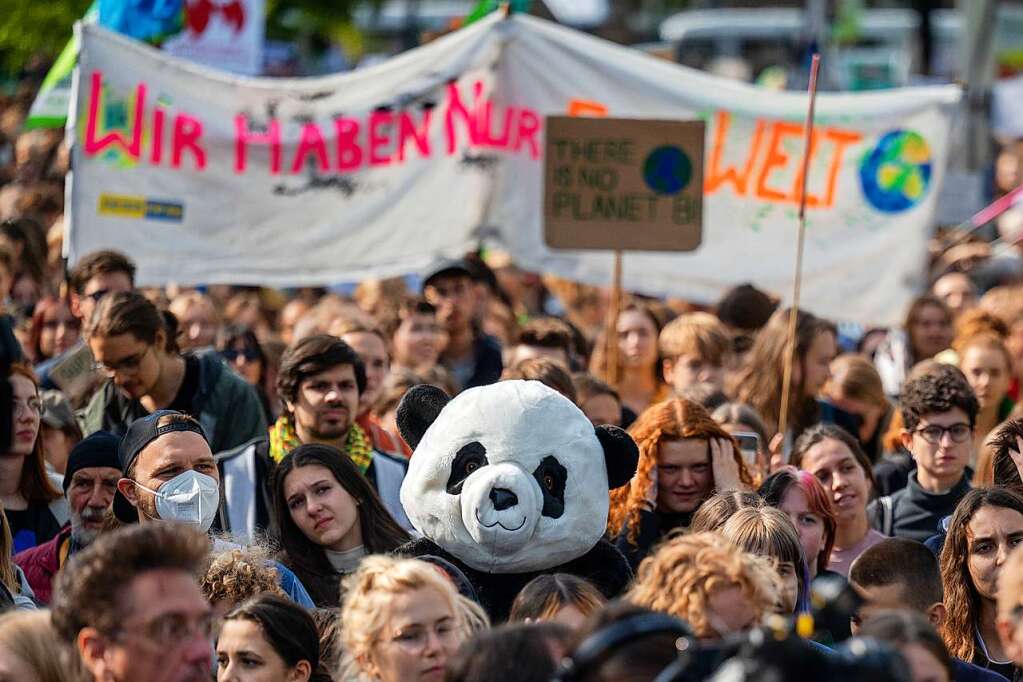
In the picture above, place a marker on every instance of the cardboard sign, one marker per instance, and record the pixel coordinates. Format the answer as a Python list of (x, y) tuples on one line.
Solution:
[(75, 374), (617, 183)]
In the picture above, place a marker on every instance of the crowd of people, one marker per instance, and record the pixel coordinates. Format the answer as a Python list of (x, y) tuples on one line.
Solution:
[(215, 492), (206, 483)]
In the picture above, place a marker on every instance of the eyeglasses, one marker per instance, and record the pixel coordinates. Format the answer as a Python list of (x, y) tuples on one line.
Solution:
[(934, 433), (171, 630), (129, 365), (33, 405), (416, 639)]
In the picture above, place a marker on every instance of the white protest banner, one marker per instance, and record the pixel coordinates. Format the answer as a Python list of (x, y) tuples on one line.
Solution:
[(876, 166), (226, 34), (207, 178)]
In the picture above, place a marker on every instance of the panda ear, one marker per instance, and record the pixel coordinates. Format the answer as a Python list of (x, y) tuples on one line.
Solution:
[(621, 456), (418, 409)]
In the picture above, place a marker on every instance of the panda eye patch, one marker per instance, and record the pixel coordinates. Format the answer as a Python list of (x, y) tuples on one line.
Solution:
[(469, 458), (552, 478)]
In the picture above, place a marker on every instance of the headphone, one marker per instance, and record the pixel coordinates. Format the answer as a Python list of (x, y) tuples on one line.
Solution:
[(604, 642)]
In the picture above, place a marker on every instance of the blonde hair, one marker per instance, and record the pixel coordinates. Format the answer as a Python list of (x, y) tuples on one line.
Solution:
[(239, 574), (367, 596), (30, 637), (700, 334), (685, 571)]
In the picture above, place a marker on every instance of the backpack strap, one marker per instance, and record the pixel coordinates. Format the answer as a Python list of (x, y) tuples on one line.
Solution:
[(887, 515)]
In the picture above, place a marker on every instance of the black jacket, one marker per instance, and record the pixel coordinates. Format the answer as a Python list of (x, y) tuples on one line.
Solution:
[(603, 565)]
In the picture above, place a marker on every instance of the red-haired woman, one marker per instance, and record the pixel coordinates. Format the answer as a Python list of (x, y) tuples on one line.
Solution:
[(684, 458)]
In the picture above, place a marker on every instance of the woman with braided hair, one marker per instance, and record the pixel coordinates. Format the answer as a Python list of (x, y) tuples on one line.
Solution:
[(684, 458)]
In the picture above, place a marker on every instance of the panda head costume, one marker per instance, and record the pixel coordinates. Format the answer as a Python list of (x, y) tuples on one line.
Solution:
[(510, 478)]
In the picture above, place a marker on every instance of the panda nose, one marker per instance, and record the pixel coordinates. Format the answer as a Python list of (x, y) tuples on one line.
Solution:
[(503, 498)]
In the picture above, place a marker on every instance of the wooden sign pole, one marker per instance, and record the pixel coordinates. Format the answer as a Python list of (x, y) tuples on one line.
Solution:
[(790, 346), (611, 330)]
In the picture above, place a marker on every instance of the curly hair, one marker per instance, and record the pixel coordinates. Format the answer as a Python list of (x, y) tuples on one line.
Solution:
[(237, 575), (674, 419), (683, 574), (962, 600), (936, 392)]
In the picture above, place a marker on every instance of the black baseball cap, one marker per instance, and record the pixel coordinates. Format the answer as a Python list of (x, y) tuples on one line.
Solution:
[(453, 266), (141, 433)]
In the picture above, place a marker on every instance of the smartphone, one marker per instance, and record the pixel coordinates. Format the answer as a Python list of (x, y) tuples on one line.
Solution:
[(749, 445)]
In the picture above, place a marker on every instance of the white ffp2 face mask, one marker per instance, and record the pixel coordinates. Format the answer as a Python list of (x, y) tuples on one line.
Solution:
[(189, 497)]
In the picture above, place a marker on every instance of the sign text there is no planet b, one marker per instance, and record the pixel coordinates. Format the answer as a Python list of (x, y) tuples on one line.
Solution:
[(630, 184)]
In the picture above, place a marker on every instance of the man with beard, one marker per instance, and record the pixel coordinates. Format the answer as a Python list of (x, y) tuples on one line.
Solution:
[(321, 382), (90, 482), (170, 476)]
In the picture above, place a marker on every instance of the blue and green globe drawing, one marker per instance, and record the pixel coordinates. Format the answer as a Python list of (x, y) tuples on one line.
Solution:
[(895, 175), (667, 170)]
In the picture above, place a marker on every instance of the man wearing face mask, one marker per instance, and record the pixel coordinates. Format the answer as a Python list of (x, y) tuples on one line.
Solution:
[(170, 475), (90, 481)]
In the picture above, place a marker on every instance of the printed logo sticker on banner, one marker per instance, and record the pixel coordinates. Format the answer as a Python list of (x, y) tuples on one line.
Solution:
[(896, 174)]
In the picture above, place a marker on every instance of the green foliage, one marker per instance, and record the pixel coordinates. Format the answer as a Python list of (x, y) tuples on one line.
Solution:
[(35, 28), (40, 28), (290, 19)]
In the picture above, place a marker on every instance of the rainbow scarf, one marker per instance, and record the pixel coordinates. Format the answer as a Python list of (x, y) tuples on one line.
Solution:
[(283, 440)]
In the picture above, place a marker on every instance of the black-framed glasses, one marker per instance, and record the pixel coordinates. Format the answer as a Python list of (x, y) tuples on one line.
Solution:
[(932, 433)]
